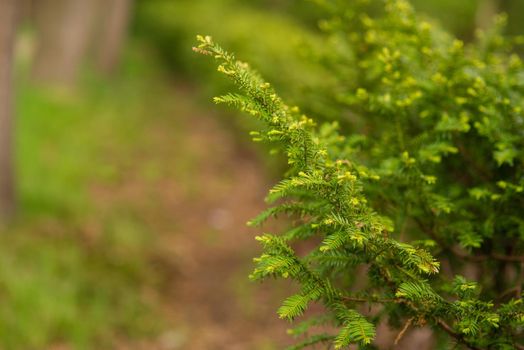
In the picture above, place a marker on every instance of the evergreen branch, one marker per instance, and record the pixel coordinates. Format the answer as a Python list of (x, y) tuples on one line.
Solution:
[(446, 328), (318, 178), (428, 107)]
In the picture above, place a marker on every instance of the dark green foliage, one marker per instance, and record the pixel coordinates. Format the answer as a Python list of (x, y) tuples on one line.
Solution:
[(171, 25), (432, 173)]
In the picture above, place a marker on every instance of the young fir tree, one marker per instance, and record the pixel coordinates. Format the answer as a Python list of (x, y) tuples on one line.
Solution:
[(426, 187)]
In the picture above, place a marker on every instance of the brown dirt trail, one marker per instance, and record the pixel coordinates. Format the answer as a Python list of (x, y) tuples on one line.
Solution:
[(201, 186)]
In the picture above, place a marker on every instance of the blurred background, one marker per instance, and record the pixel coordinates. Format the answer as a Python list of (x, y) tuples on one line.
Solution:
[(124, 191)]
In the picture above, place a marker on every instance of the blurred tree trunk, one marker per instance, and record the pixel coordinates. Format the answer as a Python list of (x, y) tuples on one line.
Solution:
[(63, 29), (486, 11), (8, 19), (25, 10), (114, 16)]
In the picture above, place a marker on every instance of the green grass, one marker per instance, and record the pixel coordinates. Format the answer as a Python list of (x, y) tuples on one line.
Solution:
[(62, 136), (54, 291), (58, 285)]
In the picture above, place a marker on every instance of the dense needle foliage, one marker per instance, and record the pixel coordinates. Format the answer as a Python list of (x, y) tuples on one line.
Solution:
[(421, 202)]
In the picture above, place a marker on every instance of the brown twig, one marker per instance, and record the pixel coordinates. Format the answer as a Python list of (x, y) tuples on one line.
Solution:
[(496, 256), (442, 324), (510, 258), (485, 175), (371, 300), (455, 335), (512, 290), (520, 280), (404, 329)]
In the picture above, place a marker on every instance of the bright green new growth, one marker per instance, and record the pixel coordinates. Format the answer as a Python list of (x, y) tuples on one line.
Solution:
[(435, 158)]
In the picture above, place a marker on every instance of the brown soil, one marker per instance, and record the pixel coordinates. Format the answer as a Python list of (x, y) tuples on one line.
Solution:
[(194, 186)]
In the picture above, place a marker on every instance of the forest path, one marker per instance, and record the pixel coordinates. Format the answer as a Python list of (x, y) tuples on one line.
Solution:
[(194, 185)]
